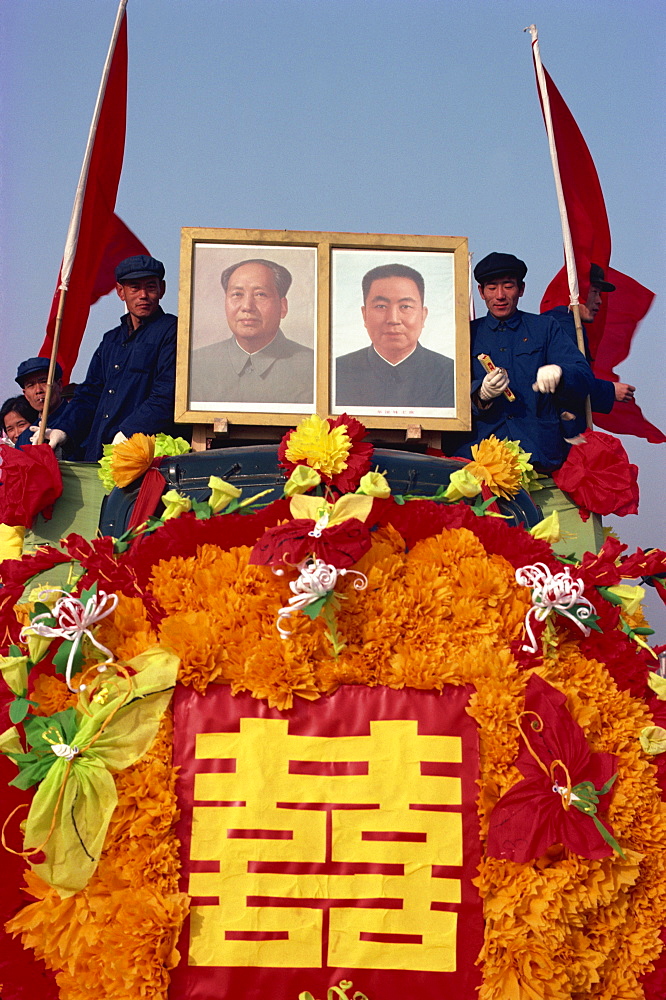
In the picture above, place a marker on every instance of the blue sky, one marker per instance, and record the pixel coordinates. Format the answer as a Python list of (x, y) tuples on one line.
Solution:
[(379, 116)]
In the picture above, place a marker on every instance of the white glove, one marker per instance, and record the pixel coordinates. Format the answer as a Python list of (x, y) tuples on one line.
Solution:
[(494, 384), (53, 436), (118, 438), (547, 378)]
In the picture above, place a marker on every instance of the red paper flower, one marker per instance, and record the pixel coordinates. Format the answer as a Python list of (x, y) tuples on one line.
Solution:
[(601, 569), (30, 484), (341, 459), (598, 476), (341, 545), (531, 816), (18, 571)]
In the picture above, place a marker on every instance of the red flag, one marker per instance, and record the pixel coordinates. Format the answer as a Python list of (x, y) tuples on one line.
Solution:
[(103, 239), (611, 333)]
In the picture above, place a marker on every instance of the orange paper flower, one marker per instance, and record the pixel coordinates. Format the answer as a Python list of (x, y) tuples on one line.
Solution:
[(132, 458), (496, 466)]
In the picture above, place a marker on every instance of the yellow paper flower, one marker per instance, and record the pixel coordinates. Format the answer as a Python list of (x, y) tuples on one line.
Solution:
[(81, 793), (374, 484), (37, 645), (548, 530), (630, 596), (658, 685), (495, 465), (10, 741), (462, 484), (222, 493), (175, 504), (653, 739), (14, 670), (315, 508), (11, 541), (317, 445), (131, 458), (528, 476), (302, 479)]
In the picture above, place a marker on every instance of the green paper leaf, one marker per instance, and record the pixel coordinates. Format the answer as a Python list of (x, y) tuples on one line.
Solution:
[(64, 722), (400, 500), (608, 837), (201, 509), (316, 608), (15, 651), (19, 708), (605, 789), (609, 596), (87, 594), (569, 560), (43, 609), (62, 655), (480, 506)]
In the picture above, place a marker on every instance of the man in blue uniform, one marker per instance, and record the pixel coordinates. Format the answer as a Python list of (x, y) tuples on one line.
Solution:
[(32, 375), (395, 370), (533, 357), (603, 394), (129, 387)]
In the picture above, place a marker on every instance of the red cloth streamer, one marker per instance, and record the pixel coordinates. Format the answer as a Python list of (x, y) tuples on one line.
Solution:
[(150, 491), (30, 483), (104, 239), (599, 477), (612, 331)]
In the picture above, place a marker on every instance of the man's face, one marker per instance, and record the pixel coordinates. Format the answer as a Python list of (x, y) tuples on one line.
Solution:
[(15, 424), (34, 390), (592, 305), (142, 298), (253, 306), (501, 296), (394, 316)]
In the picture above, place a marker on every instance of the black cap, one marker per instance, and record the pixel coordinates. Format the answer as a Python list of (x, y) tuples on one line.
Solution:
[(140, 266), (597, 277), (33, 365), (500, 265)]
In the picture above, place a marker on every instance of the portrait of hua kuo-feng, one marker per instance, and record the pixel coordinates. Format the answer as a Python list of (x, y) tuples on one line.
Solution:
[(276, 325)]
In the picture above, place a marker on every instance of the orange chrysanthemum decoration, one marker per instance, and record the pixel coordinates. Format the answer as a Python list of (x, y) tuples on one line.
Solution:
[(496, 466), (131, 458), (438, 611)]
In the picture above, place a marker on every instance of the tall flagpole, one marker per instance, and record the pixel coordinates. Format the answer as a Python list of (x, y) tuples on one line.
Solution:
[(569, 256), (75, 220)]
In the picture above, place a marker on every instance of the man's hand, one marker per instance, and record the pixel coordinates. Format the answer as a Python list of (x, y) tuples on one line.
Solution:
[(494, 384), (547, 378), (52, 435), (118, 438), (624, 392)]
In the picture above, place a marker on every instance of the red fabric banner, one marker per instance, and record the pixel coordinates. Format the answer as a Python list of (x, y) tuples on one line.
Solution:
[(328, 847), (612, 331), (103, 240)]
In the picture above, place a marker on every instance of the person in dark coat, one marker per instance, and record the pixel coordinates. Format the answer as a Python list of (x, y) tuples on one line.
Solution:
[(130, 384)]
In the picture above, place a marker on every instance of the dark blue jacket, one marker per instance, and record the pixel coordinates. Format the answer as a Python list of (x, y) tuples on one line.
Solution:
[(129, 386), (69, 451), (602, 393), (522, 344)]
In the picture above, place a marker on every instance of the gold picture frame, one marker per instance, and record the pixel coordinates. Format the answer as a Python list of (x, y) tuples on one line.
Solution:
[(325, 335)]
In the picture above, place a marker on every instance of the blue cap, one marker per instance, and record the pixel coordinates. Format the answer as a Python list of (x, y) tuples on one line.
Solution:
[(140, 266), (33, 365), (500, 265)]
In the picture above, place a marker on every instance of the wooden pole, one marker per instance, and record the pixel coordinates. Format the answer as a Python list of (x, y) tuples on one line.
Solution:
[(75, 219), (569, 256), (43, 423)]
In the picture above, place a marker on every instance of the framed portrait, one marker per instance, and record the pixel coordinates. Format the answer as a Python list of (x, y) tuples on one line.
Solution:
[(277, 325)]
